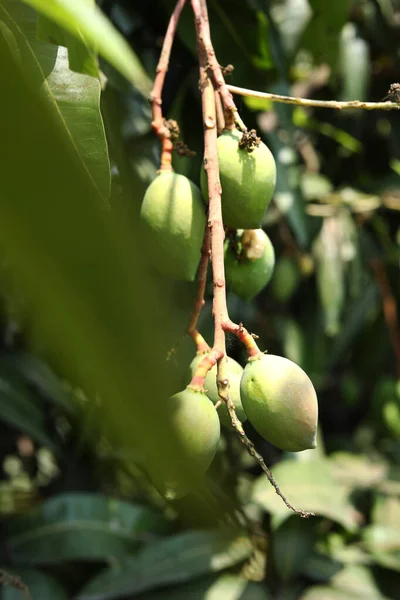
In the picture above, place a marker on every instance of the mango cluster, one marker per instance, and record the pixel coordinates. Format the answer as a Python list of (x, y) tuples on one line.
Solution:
[(273, 393), (173, 217)]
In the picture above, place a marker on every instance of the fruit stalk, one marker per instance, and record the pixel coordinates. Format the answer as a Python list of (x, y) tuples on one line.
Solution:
[(158, 124)]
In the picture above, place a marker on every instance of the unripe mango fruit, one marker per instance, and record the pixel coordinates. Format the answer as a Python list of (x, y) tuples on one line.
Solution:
[(247, 181), (234, 373), (173, 222), (249, 270), (280, 402), (194, 428)]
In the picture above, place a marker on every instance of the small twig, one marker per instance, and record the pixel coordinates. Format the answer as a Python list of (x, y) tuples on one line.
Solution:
[(317, 103), (199, 301), (389, 309), (158, 124)]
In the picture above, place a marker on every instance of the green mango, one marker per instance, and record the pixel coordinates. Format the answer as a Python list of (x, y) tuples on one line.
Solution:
[(194, 429), (234, 374), (173, 222), (286, 279), (249, 271), (247, 180), (280, 402)]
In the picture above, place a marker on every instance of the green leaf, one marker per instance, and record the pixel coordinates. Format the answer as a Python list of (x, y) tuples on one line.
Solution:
[(383, 542), (292, 544), (354, 582), (90, 26), (222, 587), (80, 527), (20, 409), (81, 58), (308, 486), (330, 273), (73, 98), (38, 374), (357, 471), (41, 586), (177, 559), (80, 283), (322, 34)]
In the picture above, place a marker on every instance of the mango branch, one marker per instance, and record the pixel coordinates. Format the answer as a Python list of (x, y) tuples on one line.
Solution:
[(199, 301), (158, 123), (306, 102), (222, 322), (211, 63)]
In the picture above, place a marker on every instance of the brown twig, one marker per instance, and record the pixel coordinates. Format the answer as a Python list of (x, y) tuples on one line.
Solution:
[(222, 322), (317, 103), (389, 309), (199, 301), (158, 124), (211, 63), (15, 582)]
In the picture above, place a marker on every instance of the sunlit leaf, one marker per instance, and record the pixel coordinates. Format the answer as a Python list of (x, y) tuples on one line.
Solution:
[(89, 24), (308, 486), (73, 98), (177, 559)]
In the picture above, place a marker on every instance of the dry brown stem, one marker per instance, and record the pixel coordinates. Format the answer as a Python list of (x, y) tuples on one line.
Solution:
[(316, 103), (158, 124)]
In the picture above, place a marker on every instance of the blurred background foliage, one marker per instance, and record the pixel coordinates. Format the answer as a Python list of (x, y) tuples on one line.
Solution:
[(86, 326)]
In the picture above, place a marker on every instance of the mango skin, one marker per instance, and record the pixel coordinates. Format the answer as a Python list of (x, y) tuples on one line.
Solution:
[(247, 180), (280, 402), (194, 429), (173, 222), (235, 372), (246, 277)]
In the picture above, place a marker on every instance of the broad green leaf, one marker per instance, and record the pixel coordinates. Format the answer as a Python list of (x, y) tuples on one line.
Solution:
[(73, 98), (357, 471), (308, 486), (383, 543), (91, 27), (38, 374), (222, 587), (291, 545), (81, 58), (322, 34), (20, 409), (177, 559), (354, 582), (41, 586), (79, 280), (81, 527)]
